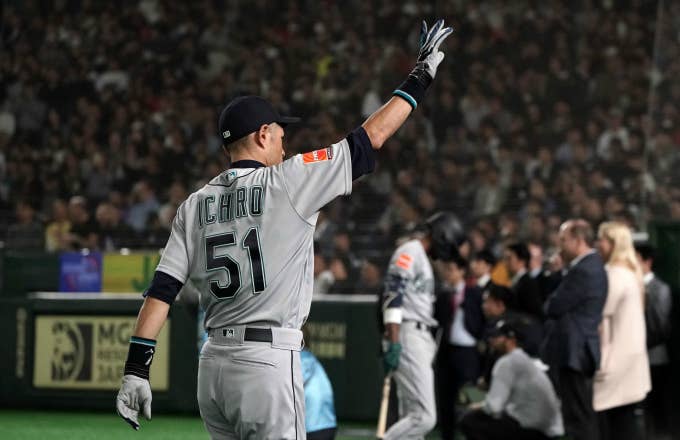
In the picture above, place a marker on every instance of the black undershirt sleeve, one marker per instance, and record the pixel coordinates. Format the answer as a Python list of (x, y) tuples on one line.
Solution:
[(363, 155), (163, 287)]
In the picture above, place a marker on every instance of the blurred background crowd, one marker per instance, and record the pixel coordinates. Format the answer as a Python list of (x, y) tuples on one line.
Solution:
[(545, 110)]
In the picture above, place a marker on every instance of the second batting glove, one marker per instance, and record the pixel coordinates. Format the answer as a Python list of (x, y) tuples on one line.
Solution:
[(391, 357)]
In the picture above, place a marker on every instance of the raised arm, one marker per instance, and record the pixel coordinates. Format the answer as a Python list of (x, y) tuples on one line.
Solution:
[(382, 124), (387, 119)]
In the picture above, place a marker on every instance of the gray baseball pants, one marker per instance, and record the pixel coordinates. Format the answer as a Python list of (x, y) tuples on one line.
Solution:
[(415, 384), (252, 390)]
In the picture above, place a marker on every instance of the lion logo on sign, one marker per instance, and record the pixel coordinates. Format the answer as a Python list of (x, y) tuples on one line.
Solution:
[(67, 352)]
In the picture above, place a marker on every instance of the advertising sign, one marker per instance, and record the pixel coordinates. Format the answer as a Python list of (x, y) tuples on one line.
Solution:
[(80, 272), (129, 273), (88, 352)]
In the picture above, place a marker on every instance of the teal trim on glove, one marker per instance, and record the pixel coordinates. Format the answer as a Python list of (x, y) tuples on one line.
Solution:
[(391, 357)]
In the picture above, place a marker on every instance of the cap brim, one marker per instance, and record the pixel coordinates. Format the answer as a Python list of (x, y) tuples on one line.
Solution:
[(285, 120)]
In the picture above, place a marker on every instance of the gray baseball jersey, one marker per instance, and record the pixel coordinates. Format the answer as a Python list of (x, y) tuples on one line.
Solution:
[(245, 240), (408, 300), (409, 286)]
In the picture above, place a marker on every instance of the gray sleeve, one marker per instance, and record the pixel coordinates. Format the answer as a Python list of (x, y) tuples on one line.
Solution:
[(313, 179), (399, 277), (501, 386), (175, 258)]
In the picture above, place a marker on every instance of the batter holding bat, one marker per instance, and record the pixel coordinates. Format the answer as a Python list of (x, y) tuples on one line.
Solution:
[(410, 347), (245, 242)]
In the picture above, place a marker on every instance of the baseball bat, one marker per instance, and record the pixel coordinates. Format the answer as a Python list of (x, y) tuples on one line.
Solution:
[(382, 417)]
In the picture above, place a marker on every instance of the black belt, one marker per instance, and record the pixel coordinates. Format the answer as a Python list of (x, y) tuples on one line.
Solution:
[(254, 334), (420, 325)]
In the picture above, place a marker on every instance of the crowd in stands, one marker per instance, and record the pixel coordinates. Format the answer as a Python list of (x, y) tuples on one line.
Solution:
[(543, 111)]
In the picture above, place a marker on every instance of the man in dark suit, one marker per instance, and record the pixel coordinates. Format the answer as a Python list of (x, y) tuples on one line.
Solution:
[(481, 265), (496, 307), (571, 347), (526, 289), (458, 309), (658, 305), (547, 282)]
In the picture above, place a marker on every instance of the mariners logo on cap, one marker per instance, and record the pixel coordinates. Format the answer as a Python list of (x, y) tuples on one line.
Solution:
[(226, 134)]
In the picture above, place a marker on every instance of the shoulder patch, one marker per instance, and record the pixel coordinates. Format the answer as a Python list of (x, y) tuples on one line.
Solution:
[(318, 155), (404, 261)]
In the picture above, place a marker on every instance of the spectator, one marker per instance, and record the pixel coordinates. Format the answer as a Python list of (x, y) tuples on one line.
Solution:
[(480, 268), (26, 234), (497, 305), (351, 264), (144, 205), (57, 231), (156, 232), (658, 305), (489, 196), (535, 268), (623, 378), (323, 278), (615, 131), (324, 233), (571, 347), (521, 403), (176, 195), (370, 279), (525, 288), (113, 233), (84, 231), (458, 310), (538, 272)]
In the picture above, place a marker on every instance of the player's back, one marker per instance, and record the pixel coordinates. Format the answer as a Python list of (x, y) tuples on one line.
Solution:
[(252, 250), (245, 240)]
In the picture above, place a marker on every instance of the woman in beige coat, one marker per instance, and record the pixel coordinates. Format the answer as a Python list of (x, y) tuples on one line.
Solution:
[(623, 378)]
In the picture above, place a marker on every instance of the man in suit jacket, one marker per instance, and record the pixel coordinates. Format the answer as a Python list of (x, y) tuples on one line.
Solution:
[(458, 309), (658, 304), (571, 347), (546, 279), (526, 289), (481, 265)]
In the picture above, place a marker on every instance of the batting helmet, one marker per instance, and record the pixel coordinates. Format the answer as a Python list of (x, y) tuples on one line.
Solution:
[(446, 233)]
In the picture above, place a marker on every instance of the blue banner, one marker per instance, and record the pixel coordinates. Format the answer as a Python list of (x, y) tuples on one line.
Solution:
[(80, 272)]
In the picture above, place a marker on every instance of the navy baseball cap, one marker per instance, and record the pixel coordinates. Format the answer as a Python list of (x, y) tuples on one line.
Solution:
[(503, 328), (245, 115)]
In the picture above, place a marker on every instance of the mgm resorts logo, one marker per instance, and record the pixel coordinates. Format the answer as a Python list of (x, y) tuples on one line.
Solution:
[(71, 351)]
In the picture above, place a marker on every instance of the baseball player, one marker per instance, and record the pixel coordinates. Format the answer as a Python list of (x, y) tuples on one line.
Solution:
[(245, 242), (408, 318)]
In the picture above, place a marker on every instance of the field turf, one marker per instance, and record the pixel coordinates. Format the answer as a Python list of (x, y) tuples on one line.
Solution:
[(75, 425)]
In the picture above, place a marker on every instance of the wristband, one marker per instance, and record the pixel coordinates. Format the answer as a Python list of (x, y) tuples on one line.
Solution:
[(140, 355), (413, 89)]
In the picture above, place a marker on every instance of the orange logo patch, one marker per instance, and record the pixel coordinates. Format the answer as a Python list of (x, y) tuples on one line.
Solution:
[(318, 155), (404, 261)]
